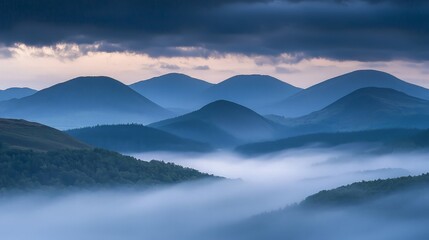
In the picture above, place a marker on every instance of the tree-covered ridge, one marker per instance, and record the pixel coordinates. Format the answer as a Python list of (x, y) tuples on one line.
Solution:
[(25, 169), (135, 138), (387, 140), (366, 190)]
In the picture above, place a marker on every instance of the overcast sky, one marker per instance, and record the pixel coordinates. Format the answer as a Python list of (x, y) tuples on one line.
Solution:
[(299, 41)]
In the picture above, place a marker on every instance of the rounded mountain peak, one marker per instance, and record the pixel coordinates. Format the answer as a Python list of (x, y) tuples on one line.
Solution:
[(253, 79), (369, 73), (224, 106)]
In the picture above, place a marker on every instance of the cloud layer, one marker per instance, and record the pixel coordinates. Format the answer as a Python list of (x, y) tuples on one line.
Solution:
[(364, 30)]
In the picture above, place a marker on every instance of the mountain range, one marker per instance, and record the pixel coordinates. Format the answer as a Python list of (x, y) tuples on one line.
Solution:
[(179, 91), (321, 95), (84, 101), (90, 101), (364, 109)]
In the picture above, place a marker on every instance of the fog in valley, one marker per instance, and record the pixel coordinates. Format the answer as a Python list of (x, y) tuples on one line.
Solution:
[(214, 120), (210, 209)]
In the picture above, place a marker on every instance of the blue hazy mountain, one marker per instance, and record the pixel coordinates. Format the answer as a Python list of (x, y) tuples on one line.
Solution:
[(379, 140), (321, 95), (363, 109), (222, 123), (15, 92), (135, 138), (173, 90), (252, 91), (85, 101)]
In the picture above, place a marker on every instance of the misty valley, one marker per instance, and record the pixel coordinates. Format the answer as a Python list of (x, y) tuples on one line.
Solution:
[(251, 157)]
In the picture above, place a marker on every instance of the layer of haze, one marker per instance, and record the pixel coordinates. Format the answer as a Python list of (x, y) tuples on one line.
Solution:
[(199, 209), (47, 66)]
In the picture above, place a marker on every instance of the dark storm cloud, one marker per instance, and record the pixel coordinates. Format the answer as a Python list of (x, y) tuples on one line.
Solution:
[(5, 52), (338, 29)]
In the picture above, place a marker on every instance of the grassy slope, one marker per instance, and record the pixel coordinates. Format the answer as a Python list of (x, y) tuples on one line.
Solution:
[(20, 134)]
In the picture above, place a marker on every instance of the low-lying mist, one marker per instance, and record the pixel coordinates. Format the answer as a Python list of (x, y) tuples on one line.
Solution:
[(196, 210), (400, 216), (336, 165)]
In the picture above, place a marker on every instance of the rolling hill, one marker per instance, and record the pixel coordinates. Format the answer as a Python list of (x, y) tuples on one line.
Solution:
[(15, 92), (84, 101), (34, 156), (365, 191), (173, 90), (321, 95), (221, 123), (135, 138), (252, 91), (364, 109)]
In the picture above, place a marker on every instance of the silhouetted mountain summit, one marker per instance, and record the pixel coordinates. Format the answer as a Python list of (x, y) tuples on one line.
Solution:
[(253, 91), (173, 90), (369, 108), (84, 101), (321, 95), (94, 92), (230, 118), (15, 92)]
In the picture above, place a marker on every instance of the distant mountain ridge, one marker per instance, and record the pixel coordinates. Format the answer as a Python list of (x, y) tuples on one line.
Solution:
[(84, 101), (379, 141), (252, 91), (180, 91), (322, 94), (90, 101), (365, 109), (15, 92)]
